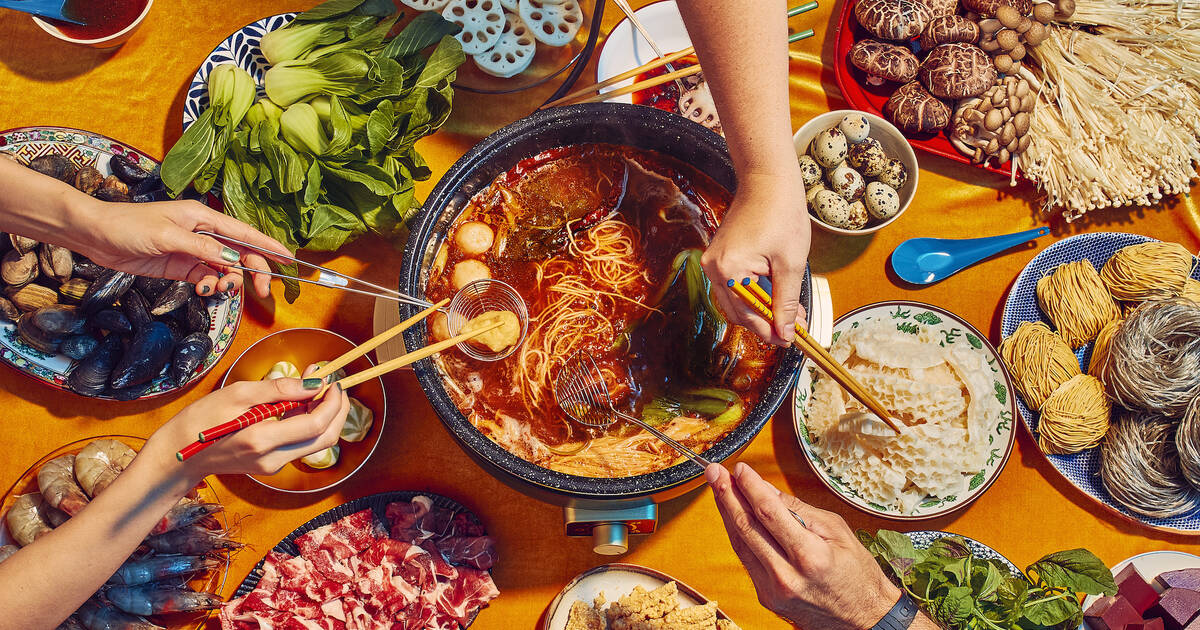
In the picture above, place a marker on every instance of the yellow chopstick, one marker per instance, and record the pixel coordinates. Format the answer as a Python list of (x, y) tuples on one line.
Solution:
[(641, 85), (376, 341), (819, 355), (411, 357), (629, 74)]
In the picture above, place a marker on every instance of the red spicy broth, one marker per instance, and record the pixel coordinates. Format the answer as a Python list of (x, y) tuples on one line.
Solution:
[(101, 18)]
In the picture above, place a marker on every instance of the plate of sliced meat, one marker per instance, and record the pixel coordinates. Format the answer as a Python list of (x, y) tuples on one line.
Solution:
[(392, 560)]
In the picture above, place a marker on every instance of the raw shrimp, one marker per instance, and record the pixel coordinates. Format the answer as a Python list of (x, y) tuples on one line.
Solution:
[(157, 599), (7, 551), (97, 616), (193, 540), (99, 463), (184, 513), (56, 481), (55, 517), (25, 519), (156, 568)]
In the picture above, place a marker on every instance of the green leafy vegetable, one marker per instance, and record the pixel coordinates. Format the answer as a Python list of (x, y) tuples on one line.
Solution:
[(330, 153), (963, 592)]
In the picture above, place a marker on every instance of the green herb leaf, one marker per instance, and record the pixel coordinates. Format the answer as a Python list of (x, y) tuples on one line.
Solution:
[(425, 30), (1052, 611), (187, 158), (1077, 571)]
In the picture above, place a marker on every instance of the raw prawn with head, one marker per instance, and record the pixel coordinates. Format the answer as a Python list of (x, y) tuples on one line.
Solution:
[(56, 481), (184, 513), (156, 568), (98, 616), (193, 540), (158, 599), (26, 519), (99, 463)]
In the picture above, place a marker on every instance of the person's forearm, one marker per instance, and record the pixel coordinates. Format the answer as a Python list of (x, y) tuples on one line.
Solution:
[(743, 48), (40, 207), (50, 578), (923, 622)]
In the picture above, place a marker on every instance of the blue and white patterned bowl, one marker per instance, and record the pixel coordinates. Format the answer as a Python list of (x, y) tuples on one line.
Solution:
[(925, 538), (1082, 470), (241, 49), (912, 318)]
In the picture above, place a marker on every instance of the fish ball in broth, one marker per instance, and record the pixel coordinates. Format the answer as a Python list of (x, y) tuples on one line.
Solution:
[(467, 272), (439, 327), (474, 238)]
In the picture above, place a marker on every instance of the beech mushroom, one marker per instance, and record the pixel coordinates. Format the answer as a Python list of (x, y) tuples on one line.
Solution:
[(957, 70), (995, 124), (914, 110), (892, 19), (884, 62), (948, 29)]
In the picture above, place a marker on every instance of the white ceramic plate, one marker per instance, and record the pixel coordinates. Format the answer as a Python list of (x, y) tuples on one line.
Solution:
[(1150, 565), (615, 581), (625, 48), (915, 318)]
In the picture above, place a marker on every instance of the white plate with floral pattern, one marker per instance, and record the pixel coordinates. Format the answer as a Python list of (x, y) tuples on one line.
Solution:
[(912, 318), (85, 148)]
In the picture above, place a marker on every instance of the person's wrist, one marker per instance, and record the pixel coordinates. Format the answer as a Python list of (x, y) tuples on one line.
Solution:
[(878, 606), (158, 456), (83, 219)]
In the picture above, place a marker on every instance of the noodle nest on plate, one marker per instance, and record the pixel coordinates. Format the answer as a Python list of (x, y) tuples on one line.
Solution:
[(1147, 271), (1074, 297), (1039, 361), (1140, 468), (1099, 360), (1075, 417), (1154, 358), (1187, 444)]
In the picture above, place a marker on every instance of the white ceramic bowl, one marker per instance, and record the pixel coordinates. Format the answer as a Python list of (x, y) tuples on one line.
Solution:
[(111, 41), (894, 144)]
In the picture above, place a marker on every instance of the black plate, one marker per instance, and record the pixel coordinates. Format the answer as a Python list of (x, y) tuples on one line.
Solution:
[(377, 504)]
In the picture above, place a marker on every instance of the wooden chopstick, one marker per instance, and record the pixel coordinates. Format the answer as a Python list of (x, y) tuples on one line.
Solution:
[(819, 355), (642, 85), (376, 341), (412, 357)]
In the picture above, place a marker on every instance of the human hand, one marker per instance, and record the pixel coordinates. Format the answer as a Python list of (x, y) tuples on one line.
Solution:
[(816, 576), (765, 232), (260, 449), (158, 239)]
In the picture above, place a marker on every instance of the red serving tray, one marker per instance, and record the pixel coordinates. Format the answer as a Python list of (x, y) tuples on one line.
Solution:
[(871, 98)]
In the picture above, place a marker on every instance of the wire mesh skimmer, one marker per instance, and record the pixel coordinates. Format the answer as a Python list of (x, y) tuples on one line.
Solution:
[(474, 299), (582, 393)]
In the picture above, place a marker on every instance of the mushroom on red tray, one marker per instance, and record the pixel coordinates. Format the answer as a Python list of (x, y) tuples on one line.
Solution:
[(893, 19), (957, 70), (914, 110), (884, 62), (948, 29), (938, 8)]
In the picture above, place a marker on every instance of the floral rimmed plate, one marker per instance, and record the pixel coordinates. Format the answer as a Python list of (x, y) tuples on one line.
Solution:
[(1081, 469), (85, 148), (614, 581), (212, 581), (912, 318)]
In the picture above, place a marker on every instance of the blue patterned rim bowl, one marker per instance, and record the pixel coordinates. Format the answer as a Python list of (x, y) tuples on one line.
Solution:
[(1081, 470), (913, 318), (923, 539), (85, 148)]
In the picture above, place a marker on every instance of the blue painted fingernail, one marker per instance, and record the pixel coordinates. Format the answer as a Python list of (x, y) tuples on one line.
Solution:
[(312, 383), (230, 255), (227, 286), (745, 282), (730, 283)]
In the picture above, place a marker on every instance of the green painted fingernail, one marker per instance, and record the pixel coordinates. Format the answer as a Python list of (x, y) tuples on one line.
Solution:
[(230, 255), (312, 383), (205, 289), (228, 286)]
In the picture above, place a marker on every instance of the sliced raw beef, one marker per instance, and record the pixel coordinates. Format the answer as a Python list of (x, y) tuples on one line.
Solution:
[(405, 515), (461, 598), (475, 551), (342, 539), (465, 524)]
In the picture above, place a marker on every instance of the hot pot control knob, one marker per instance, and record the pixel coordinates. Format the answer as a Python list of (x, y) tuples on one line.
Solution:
[(610, 539)]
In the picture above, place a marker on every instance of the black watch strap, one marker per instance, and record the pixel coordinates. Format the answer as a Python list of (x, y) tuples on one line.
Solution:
[(901, 616)]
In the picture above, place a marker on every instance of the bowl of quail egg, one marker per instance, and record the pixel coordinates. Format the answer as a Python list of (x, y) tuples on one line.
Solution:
[(859, 171)]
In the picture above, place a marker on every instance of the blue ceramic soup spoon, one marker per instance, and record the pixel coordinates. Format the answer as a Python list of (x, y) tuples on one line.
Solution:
[(928, 260)]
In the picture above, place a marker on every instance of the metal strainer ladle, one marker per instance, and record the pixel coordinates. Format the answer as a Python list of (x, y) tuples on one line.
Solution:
[(582, 393), (473, 300)]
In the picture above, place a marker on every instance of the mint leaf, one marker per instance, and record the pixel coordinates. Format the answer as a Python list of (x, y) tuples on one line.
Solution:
[(1077, 571)]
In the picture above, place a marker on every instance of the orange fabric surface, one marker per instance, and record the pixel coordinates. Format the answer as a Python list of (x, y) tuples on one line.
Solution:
[(135, 94)]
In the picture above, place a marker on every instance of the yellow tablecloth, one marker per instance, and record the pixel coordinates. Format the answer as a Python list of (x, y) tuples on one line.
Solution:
[(136, 94)]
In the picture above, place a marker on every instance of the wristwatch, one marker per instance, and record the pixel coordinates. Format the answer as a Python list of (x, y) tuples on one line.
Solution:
[(901, 616)]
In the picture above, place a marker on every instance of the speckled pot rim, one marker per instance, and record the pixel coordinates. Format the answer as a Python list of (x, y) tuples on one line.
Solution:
[(640, 121)]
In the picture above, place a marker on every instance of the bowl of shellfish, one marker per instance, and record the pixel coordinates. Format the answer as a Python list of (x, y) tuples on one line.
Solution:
[(78, 326), (860, 173)]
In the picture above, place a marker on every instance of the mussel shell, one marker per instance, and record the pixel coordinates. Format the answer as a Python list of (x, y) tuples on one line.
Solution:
[(36, 338), (106, 290), (79, 346), (151, 186), (132, 392), (111, 320), (136, 309), (188, 356), (87, 269), (147, 354), (90, 376), (173, 297), (57, 320), (126, 170), (196, 315), (55, 166), (151, 288), (177, 329)]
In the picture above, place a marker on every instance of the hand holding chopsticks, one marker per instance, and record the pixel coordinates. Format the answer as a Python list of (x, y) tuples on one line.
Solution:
[(758, 299)]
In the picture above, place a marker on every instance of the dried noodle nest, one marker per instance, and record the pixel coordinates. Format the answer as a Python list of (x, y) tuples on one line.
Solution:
[(1147, 271), (1139, 466), (1075, 417), (1099, 361), (1154, 358), (1187, 443), (1039, 361), (1075, 299)]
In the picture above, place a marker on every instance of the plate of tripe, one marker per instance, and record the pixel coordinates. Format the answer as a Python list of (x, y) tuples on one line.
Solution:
[(1102, 338), (613, 596), (948, 393)]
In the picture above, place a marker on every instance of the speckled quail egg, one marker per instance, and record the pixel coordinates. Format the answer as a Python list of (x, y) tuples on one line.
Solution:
[(829, 147), (809, 170), (810, 192), (893, 174), (855, 127), (868, 159), (858, 216), (832, 209), (882, 201), (847, 182)]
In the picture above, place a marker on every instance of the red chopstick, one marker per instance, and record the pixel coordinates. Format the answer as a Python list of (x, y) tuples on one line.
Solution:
[(252, 416)]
